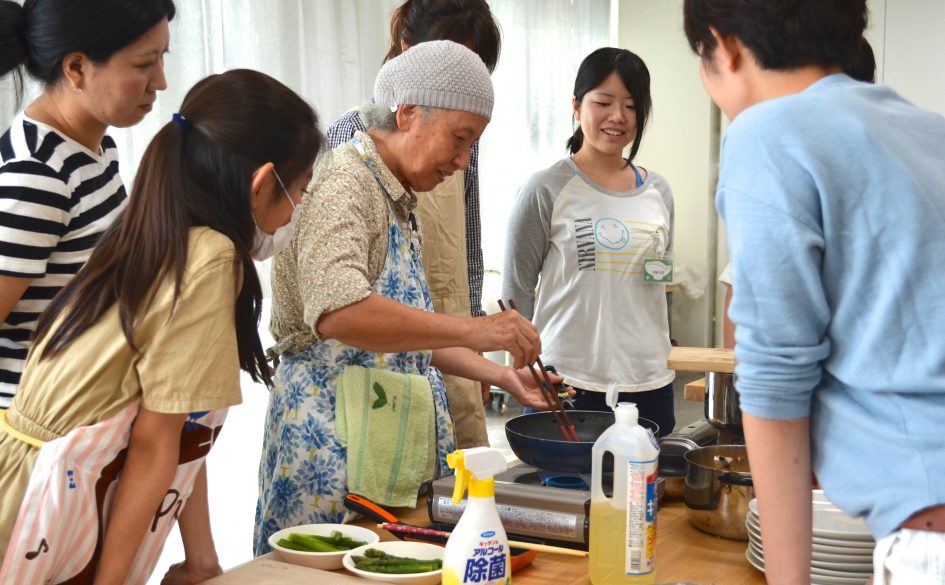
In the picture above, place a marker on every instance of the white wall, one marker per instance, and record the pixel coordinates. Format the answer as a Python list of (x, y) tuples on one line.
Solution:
[(911, 56), (678, 144)]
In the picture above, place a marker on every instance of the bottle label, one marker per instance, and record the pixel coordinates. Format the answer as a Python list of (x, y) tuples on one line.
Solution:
[(486, 562), (641, 516)]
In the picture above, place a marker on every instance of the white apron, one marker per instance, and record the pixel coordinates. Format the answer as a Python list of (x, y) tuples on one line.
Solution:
[(59, 531)]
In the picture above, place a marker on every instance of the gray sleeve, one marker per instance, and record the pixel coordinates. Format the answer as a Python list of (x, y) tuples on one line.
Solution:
[(661, 185), (528, 236)]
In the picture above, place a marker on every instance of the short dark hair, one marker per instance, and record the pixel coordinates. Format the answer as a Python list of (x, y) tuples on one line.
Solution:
[(40, 33), (632, 70), (197, 172), (781, 34), (460, 21), (863, 67)]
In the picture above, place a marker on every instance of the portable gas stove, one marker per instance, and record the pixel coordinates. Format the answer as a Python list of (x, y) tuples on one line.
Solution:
[(556, 515), (531, 503)]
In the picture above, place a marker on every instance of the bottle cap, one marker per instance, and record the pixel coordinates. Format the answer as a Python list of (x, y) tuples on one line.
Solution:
[(626, 413)]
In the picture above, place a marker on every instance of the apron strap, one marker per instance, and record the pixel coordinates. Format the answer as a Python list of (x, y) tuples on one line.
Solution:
[(5, 426)]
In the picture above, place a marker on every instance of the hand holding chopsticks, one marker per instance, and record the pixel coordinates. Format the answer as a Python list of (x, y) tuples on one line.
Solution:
[(508, 331), (551, 396)]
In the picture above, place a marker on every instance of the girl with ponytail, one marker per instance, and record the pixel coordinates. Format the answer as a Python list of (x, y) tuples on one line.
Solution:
[(138, 358)]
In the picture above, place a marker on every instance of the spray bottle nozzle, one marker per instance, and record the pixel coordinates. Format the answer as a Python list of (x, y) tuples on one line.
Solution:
[(475, 468), (456, 461)]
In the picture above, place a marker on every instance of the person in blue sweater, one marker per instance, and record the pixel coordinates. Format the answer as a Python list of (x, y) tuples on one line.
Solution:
[(833, 193)]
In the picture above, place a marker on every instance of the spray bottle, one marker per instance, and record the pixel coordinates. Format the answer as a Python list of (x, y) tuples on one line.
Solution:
[(623, 527), (478, 549)]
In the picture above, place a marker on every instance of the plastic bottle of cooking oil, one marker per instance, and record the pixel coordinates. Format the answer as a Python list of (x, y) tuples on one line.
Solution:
[(623, 527), (477, 552)]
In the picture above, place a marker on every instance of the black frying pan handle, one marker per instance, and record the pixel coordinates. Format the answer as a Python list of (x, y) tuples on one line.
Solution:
[(559, 388)]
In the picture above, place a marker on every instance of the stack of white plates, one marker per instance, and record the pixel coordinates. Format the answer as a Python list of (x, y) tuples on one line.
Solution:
[(842, 546)]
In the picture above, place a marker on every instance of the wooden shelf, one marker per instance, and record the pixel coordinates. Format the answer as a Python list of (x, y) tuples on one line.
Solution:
[(701, 359)]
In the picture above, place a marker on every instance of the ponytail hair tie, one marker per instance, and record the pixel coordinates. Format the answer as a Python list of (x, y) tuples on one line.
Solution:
[(181, 121)]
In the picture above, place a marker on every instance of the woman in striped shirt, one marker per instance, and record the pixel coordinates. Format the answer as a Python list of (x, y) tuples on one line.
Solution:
[(101, 64)]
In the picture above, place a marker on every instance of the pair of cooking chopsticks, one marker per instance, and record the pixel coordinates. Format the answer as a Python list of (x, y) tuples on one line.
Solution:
[(548, 390), (395, 528)]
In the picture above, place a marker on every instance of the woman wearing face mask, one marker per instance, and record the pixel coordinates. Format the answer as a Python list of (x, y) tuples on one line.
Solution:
[(101, 64), (352, 314), (593, 226), (137, 359)]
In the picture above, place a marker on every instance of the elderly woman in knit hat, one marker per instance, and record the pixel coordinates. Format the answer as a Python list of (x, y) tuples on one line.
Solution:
[(359, 404)]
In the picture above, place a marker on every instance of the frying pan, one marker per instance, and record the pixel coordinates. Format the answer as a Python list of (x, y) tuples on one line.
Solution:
[(536, 439)]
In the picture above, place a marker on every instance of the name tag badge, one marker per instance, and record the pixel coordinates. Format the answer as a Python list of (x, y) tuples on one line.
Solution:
[(658, 270), (658, 265)]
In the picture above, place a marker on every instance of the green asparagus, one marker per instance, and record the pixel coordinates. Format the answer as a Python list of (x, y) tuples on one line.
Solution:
[(377, 561), (336, 542)]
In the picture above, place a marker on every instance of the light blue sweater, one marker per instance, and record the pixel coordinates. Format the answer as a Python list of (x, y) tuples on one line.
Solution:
[(834, 200)]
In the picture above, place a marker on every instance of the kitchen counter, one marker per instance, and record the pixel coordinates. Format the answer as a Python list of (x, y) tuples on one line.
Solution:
[(682, 554)]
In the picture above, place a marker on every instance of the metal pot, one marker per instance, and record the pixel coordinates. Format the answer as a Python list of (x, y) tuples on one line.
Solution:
[(718, 489), (721, 402)]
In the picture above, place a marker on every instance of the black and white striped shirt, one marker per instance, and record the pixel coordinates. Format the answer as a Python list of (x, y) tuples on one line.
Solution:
[(56, 199)]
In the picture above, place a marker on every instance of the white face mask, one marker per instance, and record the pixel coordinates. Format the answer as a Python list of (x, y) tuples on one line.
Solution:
[(265, 245)]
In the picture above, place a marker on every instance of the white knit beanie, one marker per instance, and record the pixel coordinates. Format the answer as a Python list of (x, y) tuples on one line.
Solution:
[(439, 74)]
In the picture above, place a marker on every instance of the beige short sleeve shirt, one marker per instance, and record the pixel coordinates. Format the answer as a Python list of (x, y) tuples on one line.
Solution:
[(187, 358)]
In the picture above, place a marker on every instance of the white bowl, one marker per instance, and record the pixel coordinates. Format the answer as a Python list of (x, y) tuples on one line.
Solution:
[(833, 523), (400, 548), (854, 546), (819, 502), (865, 552), (755, 561), (327, 561)]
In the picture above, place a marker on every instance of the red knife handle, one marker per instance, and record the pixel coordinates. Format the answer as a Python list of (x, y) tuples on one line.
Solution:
[(366, 507)]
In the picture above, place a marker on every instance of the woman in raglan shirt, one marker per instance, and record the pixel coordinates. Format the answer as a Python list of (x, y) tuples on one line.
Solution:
[(594, 234)]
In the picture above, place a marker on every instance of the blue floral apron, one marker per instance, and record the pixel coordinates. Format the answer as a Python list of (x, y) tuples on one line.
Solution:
[(302, 475)]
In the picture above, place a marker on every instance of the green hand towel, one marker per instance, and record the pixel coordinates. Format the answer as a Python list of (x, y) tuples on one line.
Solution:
[(386, 420)]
